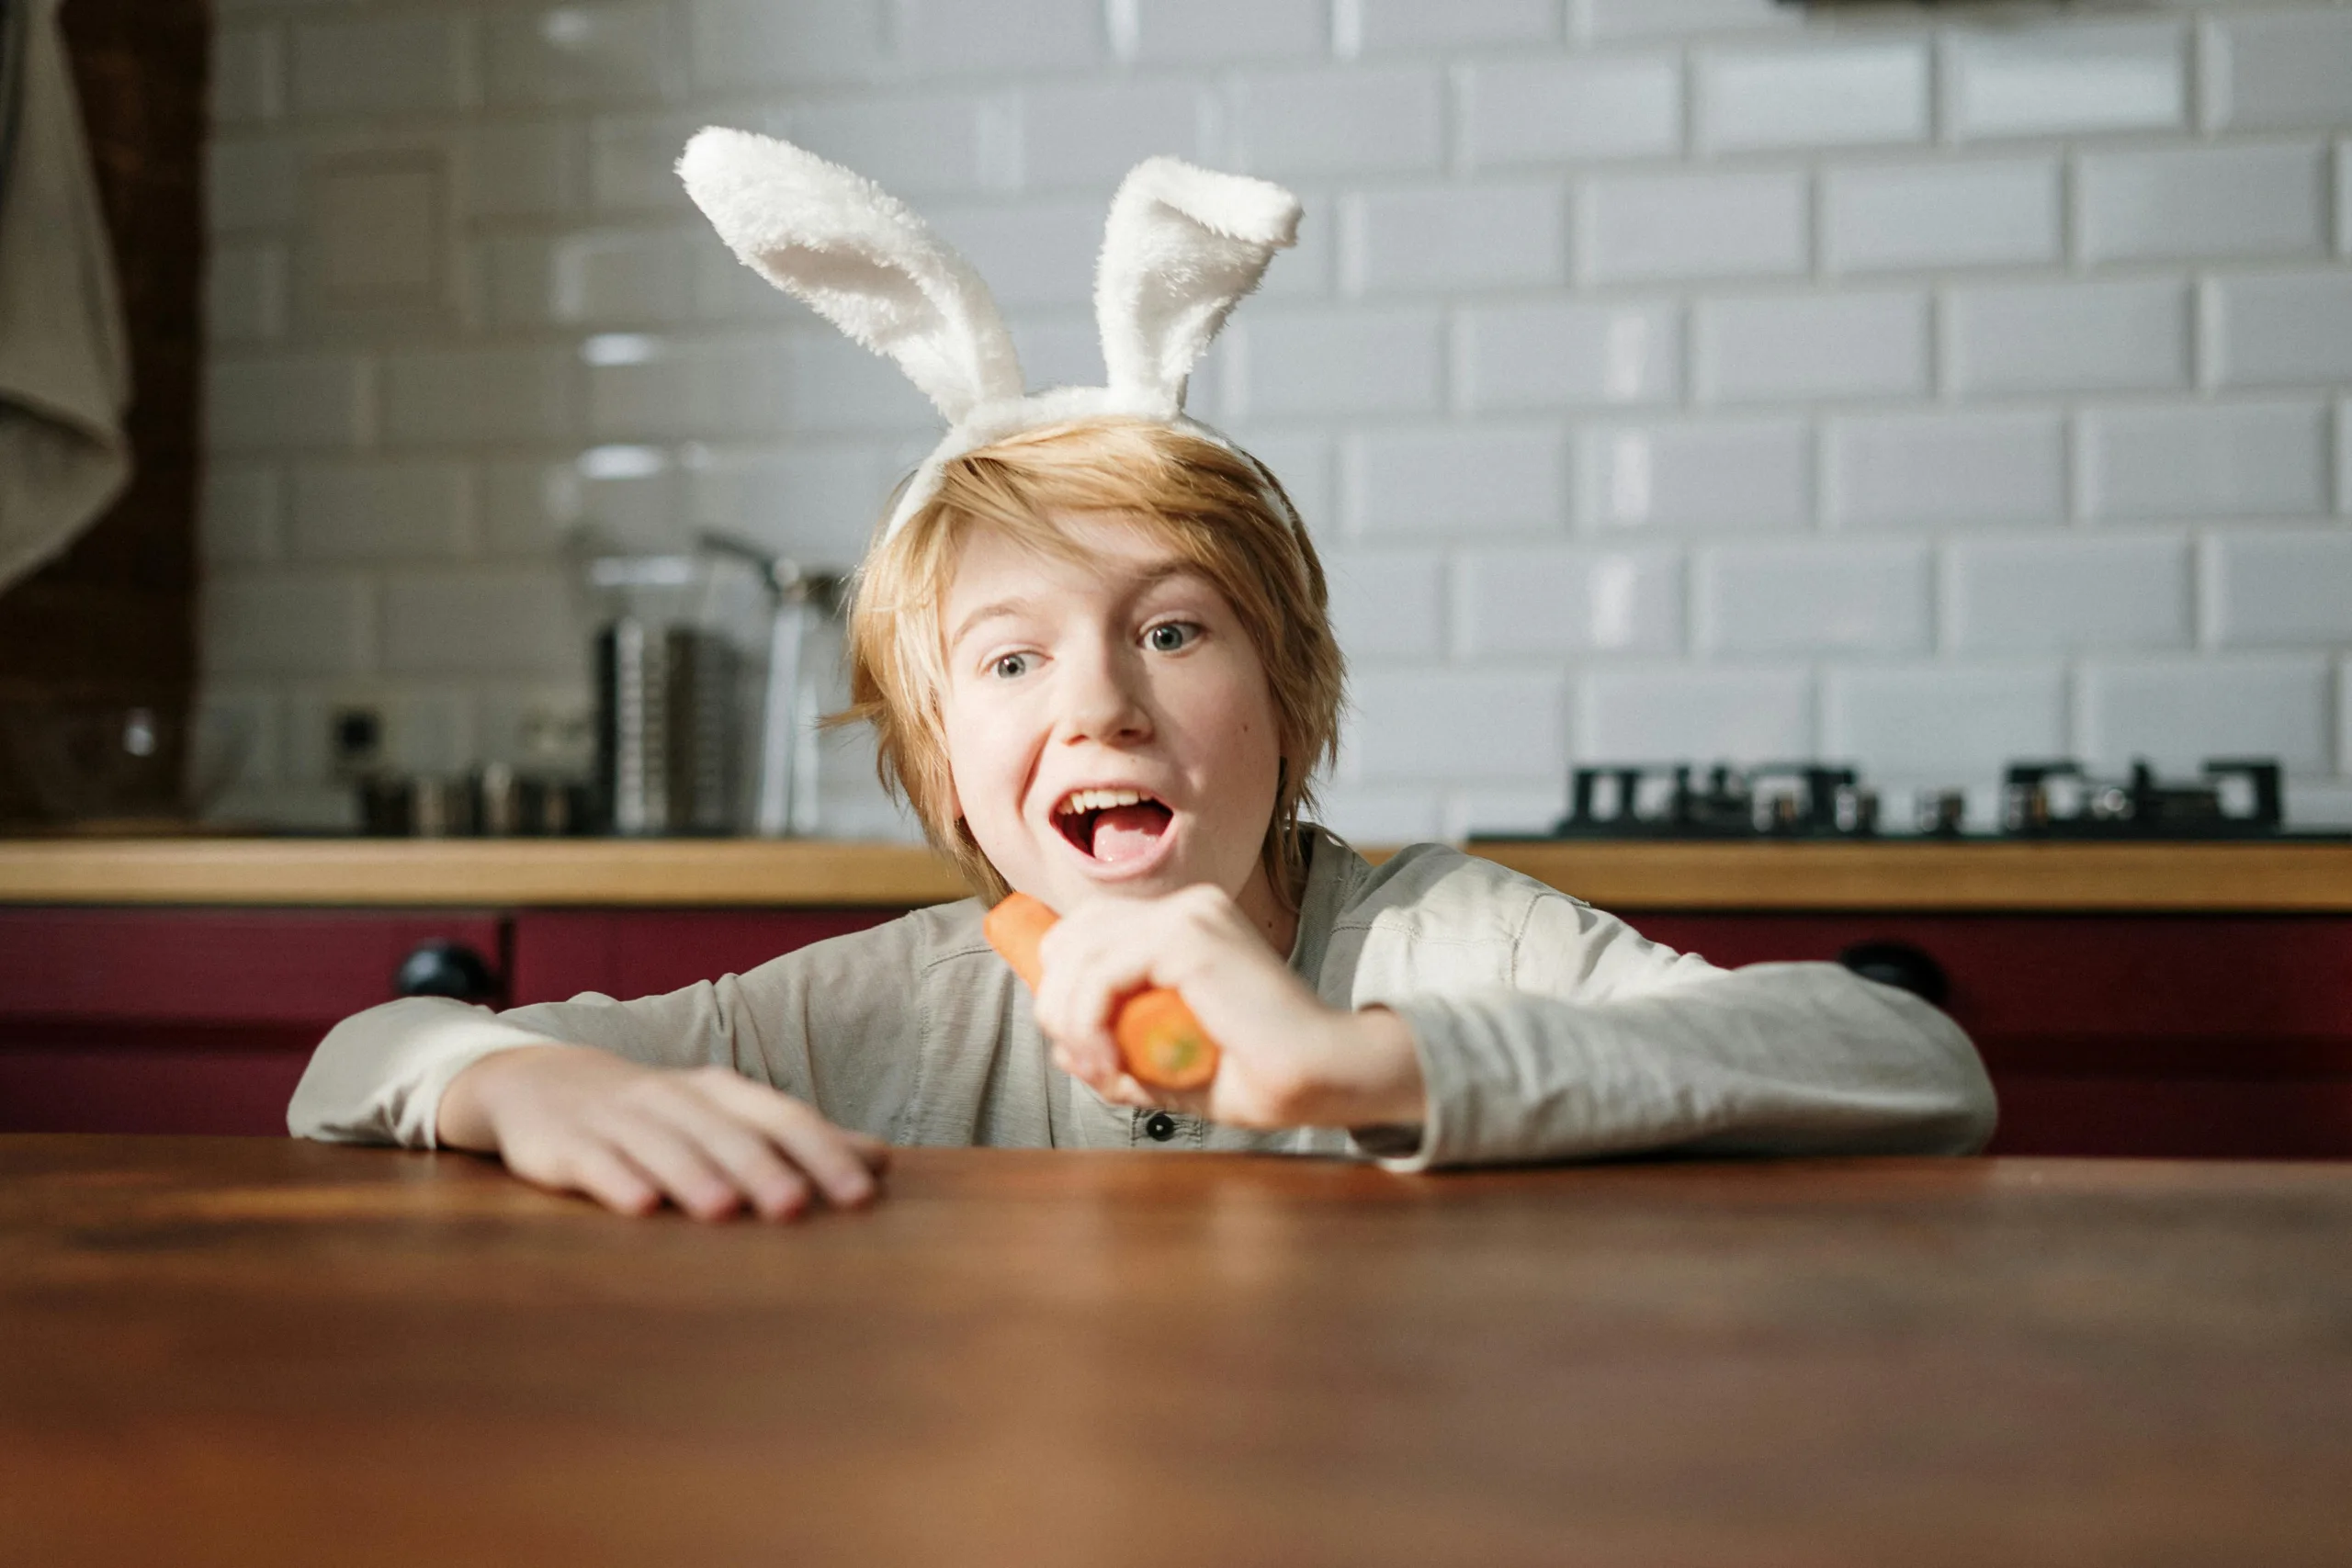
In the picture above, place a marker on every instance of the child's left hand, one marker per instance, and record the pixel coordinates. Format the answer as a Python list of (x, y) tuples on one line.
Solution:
[(1289, 1059)]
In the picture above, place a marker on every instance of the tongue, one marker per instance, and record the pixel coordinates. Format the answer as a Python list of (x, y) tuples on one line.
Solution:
[(1128, 832)]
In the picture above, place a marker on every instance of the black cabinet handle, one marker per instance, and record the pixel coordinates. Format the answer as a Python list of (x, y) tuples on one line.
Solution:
[(445, 969), (1900, 965)]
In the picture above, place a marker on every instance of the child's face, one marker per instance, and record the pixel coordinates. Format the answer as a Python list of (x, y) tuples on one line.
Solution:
[(1125, 672)]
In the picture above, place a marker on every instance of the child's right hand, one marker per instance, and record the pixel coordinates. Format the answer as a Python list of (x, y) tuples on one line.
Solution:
[(711, 1141)]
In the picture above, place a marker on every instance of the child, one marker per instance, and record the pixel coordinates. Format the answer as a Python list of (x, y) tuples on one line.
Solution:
[(1092, 640)]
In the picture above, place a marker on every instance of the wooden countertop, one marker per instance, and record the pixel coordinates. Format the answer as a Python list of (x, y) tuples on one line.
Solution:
[(262, 1351), (506, 873)]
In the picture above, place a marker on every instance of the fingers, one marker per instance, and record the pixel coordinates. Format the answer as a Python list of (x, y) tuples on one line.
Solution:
[(840, 1162), (676, 1163)]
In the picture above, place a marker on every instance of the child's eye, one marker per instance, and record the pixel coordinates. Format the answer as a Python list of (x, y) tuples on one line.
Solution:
[(1011, 666), (1171, 636)]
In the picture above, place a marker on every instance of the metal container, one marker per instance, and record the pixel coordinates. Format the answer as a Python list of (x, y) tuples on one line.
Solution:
[(667, 706)]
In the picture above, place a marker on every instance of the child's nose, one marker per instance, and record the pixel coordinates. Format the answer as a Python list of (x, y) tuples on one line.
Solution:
[(1102, 698)]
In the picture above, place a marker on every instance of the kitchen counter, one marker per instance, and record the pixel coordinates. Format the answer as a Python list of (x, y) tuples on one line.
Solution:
[(2271, 877)]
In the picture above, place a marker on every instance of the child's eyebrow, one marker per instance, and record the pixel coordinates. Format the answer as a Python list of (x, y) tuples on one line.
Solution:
[(989, 612), (1142, 585)]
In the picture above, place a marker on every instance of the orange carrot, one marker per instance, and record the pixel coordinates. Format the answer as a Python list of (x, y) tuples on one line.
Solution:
[(1159, 1038)]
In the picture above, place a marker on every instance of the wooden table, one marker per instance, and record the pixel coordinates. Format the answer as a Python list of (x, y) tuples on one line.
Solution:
[(256, 1351)]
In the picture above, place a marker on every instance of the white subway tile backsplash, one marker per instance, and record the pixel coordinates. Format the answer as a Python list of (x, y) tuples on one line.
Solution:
[(1522, 809), (1091, 135), (2195, 203), (1448, 238), (2279, 329), (2007, 596), (2344, 196), (1945, 469), (1568, 354), (2273, 69), (611, 278), (248, 74), (837, 388), (1884, 217), (244, 294), (2039, 79), (1757, 714), (461, 311), (1357, 360), (1826, 93), (287, 623), (1694, 225), (2125, 335), (379, 512), (1785, 347), (682, 388), (1372, 26), (1813, 596), (2213, 460), (1382, 813), (1446, 479), (633, 159), (945, 37), (525, 169), (1029, 253), (251, 184), (481, 620), (380, 64), (239, 514), (569, 55), (1442, 724), (1384, 120), (1744, 474), (1195, 32), (1556, 109), (2178, 712), (1928, 721), (458, 396), (1602, 20), (1514, 600), (426, 729), (817, 503), (322, 401), (927, 145), (753, 43), (1388, 603), (2279, 588)]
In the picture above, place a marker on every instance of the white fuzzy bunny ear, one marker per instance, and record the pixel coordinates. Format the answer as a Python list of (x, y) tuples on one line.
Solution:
[(861, 258), (1182, 247)]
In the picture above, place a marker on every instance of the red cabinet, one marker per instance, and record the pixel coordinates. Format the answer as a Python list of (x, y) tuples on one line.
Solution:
[(2138, 1034), (640, 953), (189, 1021)]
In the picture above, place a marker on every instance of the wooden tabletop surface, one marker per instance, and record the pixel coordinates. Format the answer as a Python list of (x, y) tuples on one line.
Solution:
[(2279, 877), (262, 1351)]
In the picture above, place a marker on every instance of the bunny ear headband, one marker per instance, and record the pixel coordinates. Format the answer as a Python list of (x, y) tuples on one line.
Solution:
[(1181, 248)]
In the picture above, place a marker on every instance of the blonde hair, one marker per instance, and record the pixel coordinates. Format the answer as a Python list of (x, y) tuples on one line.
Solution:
[(1215, 508)]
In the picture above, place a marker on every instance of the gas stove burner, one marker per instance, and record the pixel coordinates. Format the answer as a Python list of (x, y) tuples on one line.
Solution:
[(2237, 797), (1783, 800)]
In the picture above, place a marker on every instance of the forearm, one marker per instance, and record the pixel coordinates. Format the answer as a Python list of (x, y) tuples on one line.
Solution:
[(1775, 1059)]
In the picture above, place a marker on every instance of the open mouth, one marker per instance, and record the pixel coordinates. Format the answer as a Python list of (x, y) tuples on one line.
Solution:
[(1114, 826)]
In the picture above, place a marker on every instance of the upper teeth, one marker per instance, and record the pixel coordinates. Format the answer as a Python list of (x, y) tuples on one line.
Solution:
[(1099, 800)]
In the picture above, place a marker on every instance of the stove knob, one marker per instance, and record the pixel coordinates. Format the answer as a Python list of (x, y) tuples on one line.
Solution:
[(1900, 965)]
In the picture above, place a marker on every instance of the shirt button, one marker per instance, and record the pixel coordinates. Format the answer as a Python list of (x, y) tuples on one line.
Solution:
[(1159, 1127)]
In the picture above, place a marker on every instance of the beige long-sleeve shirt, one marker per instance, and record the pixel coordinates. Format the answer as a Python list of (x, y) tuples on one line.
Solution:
[(1546, 1029)]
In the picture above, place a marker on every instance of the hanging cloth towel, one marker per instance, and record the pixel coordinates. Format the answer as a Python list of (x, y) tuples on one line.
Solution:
[(64, 360)]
